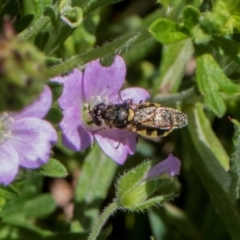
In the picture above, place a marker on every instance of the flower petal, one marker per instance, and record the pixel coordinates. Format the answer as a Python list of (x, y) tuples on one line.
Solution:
[(117, 144), (103, 81), (72, 90), (171, 165), (74, 135), (38, 108), (135, 94), (32, 138), (9, 163)]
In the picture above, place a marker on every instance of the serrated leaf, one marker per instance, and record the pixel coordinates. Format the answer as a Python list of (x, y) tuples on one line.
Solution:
[(234, 171), (167, 32), (212, 81), (53, 169)]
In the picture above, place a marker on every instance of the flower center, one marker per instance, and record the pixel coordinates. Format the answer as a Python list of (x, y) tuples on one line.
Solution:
[(87, 108), (5, 122), (85, 114)]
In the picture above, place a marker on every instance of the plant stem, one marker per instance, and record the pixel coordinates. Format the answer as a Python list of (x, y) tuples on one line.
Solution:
[(102, 220), (34, 28), (117, 46)]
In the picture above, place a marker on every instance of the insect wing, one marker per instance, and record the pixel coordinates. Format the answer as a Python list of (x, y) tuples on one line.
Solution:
[(151, 115), (145, 116), (155, 117)]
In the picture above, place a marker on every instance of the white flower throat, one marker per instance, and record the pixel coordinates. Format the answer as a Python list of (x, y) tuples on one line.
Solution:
[(5, 122)]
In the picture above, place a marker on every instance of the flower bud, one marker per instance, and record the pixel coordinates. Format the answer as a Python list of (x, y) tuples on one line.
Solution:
[(136, 188)]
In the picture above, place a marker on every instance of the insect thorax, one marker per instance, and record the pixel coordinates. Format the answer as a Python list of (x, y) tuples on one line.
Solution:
[(118, 115)]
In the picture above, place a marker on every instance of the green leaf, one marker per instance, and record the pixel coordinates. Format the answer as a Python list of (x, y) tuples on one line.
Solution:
[(57, 35), (219, 20), (63, 27), (233, 6), (95, 179), (22, 230), (173, 65), (201, 130), (236, 22), (40, 41), (53, 169), (38, 206), (40, 6), (56, 88), (234, 171), (178, 219), (23, 23), (8, 192), (191, 16), (211, 81), (166, 31), (205, 159), (230, 48)]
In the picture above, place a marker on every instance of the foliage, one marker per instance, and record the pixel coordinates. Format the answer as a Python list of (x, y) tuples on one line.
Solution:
[(187, 55)]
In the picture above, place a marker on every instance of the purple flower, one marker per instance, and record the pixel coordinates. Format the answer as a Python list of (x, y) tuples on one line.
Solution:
[(25, 139), (83, 91), (170, 166)]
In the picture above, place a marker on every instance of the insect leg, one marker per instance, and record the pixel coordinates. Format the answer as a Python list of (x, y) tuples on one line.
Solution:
[(125, 136)]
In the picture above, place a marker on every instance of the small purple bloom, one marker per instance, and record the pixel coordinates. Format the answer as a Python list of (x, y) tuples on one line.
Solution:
[(25, 139), (171, 166), (83, 91)]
